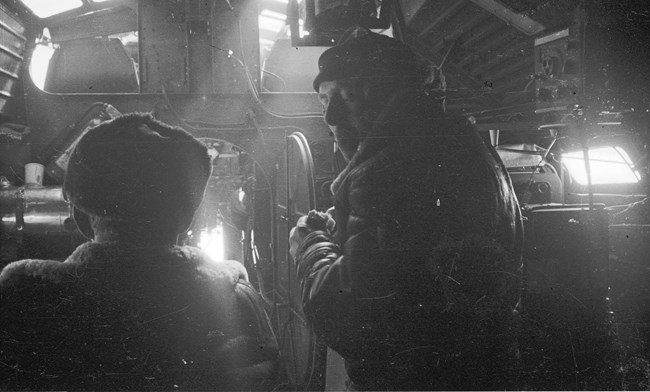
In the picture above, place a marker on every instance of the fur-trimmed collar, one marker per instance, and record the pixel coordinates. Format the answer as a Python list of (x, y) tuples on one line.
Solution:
[(116, 256)]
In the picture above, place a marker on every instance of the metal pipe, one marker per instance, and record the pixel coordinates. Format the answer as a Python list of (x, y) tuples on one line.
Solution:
[(34, 210)]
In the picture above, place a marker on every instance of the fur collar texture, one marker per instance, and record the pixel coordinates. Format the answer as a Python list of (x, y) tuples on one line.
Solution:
[(115, 257)]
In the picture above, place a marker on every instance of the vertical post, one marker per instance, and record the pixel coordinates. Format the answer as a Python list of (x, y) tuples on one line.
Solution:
[(584, 142), (199, 47)]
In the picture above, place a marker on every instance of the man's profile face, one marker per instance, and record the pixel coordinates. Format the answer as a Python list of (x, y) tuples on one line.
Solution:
[(347, 112)]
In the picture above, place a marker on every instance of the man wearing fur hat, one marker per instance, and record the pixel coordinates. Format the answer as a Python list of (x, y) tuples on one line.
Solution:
[(417, 285), (130, 309)]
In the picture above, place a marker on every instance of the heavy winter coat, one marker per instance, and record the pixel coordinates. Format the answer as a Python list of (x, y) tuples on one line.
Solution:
[(116, 318), (418, 286)]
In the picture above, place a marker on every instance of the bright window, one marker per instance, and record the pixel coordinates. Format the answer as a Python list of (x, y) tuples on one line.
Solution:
[(211, 242), (44, 50), (40, 61), (609, 165), (45, 8)]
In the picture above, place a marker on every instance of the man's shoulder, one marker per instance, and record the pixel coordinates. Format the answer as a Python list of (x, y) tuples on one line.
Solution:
[(228, 271), (392, 162), (17, 272), (104, 257), (28, 272)]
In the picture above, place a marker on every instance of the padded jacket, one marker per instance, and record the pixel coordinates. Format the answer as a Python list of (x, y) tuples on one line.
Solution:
[(419, 284), (116, 318)]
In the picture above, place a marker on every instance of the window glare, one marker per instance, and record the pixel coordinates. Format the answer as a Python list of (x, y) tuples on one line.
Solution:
[(39, 64), (45, 8), (609, 165), (212, 243)]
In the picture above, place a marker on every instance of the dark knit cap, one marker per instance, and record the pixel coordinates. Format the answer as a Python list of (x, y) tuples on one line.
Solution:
[(368, 55), (137, 169)]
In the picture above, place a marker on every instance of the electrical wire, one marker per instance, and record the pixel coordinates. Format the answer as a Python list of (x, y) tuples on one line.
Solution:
[(444, 59), (527, 194), (253, 89), (278, 77), (530, 82), (190, 127), (256, 162), (263, 106), (203, 125)]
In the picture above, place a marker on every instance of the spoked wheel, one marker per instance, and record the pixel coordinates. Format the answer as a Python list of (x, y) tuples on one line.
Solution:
[(304, 357)]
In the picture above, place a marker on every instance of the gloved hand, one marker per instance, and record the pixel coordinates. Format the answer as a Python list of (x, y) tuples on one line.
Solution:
[(314, 221)]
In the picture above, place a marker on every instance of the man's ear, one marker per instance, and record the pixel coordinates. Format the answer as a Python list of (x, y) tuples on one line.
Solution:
[(83, 223)]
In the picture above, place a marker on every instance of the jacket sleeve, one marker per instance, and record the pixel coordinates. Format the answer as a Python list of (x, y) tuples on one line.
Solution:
[(326, 292), (337, 281)]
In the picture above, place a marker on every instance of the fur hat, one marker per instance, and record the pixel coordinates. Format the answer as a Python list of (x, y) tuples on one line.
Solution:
[(368, 54), (137, 169)]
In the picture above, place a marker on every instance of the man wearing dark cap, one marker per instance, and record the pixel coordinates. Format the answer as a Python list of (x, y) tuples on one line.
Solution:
[(131, 310), (417, 286)]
